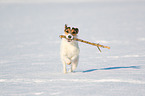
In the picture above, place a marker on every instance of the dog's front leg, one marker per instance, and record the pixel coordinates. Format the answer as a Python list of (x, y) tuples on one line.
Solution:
[(74, 58), (74, 61), (67, 60)]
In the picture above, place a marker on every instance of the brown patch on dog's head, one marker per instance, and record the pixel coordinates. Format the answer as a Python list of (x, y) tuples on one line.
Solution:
[(67, 30), (73, 31)]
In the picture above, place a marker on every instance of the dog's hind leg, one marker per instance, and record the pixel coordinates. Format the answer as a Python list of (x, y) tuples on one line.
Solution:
[(64, 67)]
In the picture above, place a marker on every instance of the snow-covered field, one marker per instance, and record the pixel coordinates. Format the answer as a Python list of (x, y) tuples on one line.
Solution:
[(29, 49)]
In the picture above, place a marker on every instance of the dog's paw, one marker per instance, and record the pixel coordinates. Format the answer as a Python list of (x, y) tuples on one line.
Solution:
[(68, 62), (64, 71), (70, 70)]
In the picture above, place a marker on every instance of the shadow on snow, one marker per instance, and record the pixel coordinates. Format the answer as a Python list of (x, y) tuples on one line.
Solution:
[(112, 68)]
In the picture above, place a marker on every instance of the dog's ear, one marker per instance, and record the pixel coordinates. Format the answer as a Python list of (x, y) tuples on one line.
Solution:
[(65, 26), (77, 30)]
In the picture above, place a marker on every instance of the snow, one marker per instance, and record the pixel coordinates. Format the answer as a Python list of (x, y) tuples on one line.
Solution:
[(30, 62)]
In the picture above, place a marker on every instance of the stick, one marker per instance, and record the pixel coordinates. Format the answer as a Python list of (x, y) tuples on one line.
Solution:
[(87, 42)]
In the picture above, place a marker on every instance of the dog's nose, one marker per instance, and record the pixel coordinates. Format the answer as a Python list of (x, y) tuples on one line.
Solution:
[(69, 37)]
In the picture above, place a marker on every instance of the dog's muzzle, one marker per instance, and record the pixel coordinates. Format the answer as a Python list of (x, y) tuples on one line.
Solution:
[(69, 37)]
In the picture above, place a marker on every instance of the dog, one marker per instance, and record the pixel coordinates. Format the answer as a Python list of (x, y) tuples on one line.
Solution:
[(69, 49)]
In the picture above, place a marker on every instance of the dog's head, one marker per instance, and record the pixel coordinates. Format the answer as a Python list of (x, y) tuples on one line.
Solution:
[(70, 32)]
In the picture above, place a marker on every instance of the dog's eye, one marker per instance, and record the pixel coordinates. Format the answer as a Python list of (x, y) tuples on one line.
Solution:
[(73, 32), (66, 31)]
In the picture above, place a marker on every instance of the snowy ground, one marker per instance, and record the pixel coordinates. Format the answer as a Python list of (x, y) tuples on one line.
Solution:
[(29, 49)]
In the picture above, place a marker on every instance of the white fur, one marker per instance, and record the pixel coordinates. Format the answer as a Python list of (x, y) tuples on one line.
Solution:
[(69, 54)]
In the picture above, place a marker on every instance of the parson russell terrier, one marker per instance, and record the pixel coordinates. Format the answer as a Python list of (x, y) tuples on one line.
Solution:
[(69, 50)]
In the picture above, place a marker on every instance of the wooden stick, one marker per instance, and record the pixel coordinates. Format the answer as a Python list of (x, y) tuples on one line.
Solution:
[(87, 42)]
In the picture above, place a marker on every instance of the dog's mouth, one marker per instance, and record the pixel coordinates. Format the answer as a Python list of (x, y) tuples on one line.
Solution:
[(69, 37), (69, 40)]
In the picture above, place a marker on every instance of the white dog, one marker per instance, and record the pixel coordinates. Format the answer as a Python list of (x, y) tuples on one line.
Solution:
[(69, 49)]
